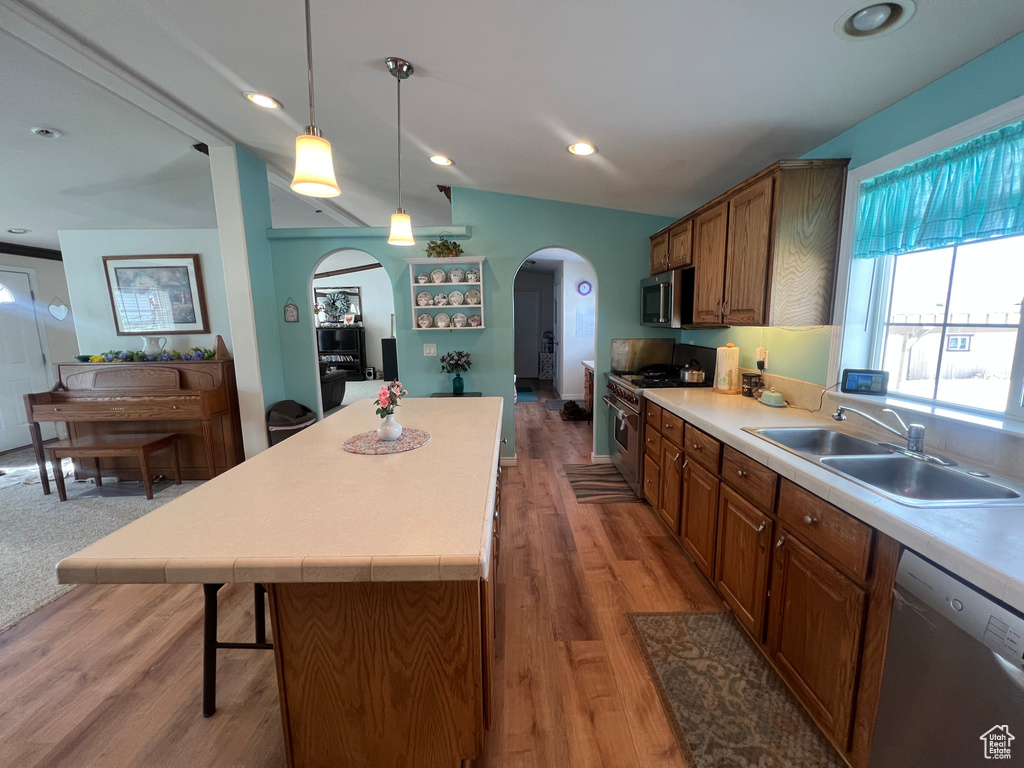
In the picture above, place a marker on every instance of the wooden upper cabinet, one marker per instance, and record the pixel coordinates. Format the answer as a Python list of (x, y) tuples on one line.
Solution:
[(814, 633), (743, 557), (659, 253), (709, 240), (765, 252), (747, 255), (680, 245)]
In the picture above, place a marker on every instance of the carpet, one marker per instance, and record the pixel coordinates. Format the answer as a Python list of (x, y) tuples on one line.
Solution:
[(727, 707), (38, 531), (598, 484), (526, 395)]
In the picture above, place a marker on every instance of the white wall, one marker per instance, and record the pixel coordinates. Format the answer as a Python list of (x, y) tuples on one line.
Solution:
[(49, 283), (575, 348), (377, 294), (83, 252)]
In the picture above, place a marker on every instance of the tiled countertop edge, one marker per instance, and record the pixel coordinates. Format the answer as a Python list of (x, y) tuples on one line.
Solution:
[(873, 509)]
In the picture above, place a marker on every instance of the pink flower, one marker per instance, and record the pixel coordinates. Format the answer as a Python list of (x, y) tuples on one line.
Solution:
[(384, 400)]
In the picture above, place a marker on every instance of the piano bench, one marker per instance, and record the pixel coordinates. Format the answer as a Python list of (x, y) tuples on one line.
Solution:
[(97, 447)]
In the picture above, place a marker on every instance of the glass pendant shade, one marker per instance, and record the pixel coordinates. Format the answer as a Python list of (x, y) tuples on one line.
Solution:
[(314, 167), (401, 229)]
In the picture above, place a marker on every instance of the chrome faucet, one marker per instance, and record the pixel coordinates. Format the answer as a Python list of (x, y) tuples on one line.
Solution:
[(914, 434)]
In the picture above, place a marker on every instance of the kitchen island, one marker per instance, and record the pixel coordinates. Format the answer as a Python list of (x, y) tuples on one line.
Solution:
[(379, 571)]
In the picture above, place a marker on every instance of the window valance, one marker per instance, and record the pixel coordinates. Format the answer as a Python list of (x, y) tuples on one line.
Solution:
[(973, 191)]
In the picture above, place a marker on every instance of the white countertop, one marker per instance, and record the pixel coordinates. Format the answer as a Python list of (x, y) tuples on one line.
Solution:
[(983, 545), (306, 510), (588, 364)]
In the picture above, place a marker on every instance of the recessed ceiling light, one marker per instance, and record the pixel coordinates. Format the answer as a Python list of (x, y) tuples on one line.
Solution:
[(262, 100), (582, 148), (441, 160), (870, 19), (19, 231), (48, 133)]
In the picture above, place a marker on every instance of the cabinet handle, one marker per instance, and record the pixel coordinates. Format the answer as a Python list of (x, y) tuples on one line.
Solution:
[(779, 542), (740, 473), (648, 481), (696, 447), (685, 463), (761, 527), (676, 458), (649, 440), (808, 520)]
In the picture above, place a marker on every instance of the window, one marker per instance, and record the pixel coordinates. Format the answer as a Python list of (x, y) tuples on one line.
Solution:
[(950, 331)]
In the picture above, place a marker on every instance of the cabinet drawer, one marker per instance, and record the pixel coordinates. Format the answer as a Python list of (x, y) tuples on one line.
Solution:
[(840, 536), (653, 415), (652, 441), (754, 481), (671, 427), (703, 448)]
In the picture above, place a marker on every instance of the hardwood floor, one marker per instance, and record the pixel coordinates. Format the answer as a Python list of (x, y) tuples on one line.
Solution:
[(111, 675)]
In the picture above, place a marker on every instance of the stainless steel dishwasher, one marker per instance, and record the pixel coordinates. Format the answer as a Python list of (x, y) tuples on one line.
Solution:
[(953, 687)]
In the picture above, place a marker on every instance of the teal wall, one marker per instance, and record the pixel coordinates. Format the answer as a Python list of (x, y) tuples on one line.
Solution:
[(981, 84), (505, 229), (798, 353), (255, 195)]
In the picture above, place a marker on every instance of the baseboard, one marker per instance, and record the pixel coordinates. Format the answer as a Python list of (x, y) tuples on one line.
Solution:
[(571, 397), (508, 461), (595, 459)]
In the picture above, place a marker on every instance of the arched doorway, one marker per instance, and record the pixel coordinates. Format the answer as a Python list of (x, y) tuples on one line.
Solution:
[(353, 327), (554, 314)]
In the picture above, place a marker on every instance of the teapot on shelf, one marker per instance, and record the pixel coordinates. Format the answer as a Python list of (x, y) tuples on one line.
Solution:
[(154, 345)]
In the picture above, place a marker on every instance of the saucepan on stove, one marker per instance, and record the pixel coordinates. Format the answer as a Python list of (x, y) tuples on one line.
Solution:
[(692, 373)]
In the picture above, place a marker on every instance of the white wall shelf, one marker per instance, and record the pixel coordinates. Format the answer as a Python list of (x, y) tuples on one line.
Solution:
[(424, 266)]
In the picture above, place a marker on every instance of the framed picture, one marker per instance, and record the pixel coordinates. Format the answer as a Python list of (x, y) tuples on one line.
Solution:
[(156, 294)]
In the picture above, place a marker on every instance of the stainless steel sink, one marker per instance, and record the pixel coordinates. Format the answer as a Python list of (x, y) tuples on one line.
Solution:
[(820, 442), (909, 478)]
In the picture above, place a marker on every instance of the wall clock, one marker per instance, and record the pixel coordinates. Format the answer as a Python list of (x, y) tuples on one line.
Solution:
[(583, 287)]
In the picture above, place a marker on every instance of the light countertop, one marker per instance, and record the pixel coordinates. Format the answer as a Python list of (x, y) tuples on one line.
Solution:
[(983, 545), (588, 364), (306, 510)]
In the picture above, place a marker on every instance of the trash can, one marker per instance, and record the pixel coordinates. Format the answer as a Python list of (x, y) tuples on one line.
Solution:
[(287, 417)]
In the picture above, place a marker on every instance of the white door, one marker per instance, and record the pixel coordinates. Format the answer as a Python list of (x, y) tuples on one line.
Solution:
[(527, 333), (23, 368)]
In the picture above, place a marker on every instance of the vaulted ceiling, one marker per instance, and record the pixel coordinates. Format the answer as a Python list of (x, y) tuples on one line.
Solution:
[(682, 97)]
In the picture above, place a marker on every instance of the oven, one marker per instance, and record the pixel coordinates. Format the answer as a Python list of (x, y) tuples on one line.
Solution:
[(626, 429)]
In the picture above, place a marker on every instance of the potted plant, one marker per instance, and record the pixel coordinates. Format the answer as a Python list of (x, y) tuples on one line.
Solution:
[(443, 249), (457, 363), (387, 400)]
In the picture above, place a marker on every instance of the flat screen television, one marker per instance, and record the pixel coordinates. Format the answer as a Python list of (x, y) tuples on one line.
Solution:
[(338, 340)]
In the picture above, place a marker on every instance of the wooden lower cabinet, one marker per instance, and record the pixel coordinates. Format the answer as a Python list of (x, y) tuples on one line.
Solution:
[(652, 482), (699, 519), (815, 630), (742, 560), (671, 485)]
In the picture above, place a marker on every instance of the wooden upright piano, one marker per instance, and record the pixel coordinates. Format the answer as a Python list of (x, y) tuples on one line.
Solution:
[(198, 399)]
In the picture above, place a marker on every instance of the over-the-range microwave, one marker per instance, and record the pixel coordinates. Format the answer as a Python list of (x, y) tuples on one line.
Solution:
[(663, 302)]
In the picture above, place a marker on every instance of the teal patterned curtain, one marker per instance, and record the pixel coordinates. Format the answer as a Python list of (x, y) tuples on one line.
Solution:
[(973, 191)]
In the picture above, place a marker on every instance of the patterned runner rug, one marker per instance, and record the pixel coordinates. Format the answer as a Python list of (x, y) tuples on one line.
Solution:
[(598, 484), (727, 707)]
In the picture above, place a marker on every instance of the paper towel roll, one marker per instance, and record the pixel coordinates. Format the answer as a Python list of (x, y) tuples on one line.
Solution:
[(727, 370)]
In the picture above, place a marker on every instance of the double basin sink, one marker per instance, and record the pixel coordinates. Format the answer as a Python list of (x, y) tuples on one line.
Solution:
[(906, 479)]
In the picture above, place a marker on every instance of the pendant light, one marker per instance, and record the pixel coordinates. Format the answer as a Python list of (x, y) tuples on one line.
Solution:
[(314, 166), (401, 224)]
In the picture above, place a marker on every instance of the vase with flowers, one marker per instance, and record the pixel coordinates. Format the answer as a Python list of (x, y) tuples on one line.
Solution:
[(456, 362), (387, 400)]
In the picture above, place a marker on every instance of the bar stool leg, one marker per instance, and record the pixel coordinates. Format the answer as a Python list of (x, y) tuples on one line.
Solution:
[(97, 472), (58, 475), (177, 461), (259, 606), (210, 648)]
